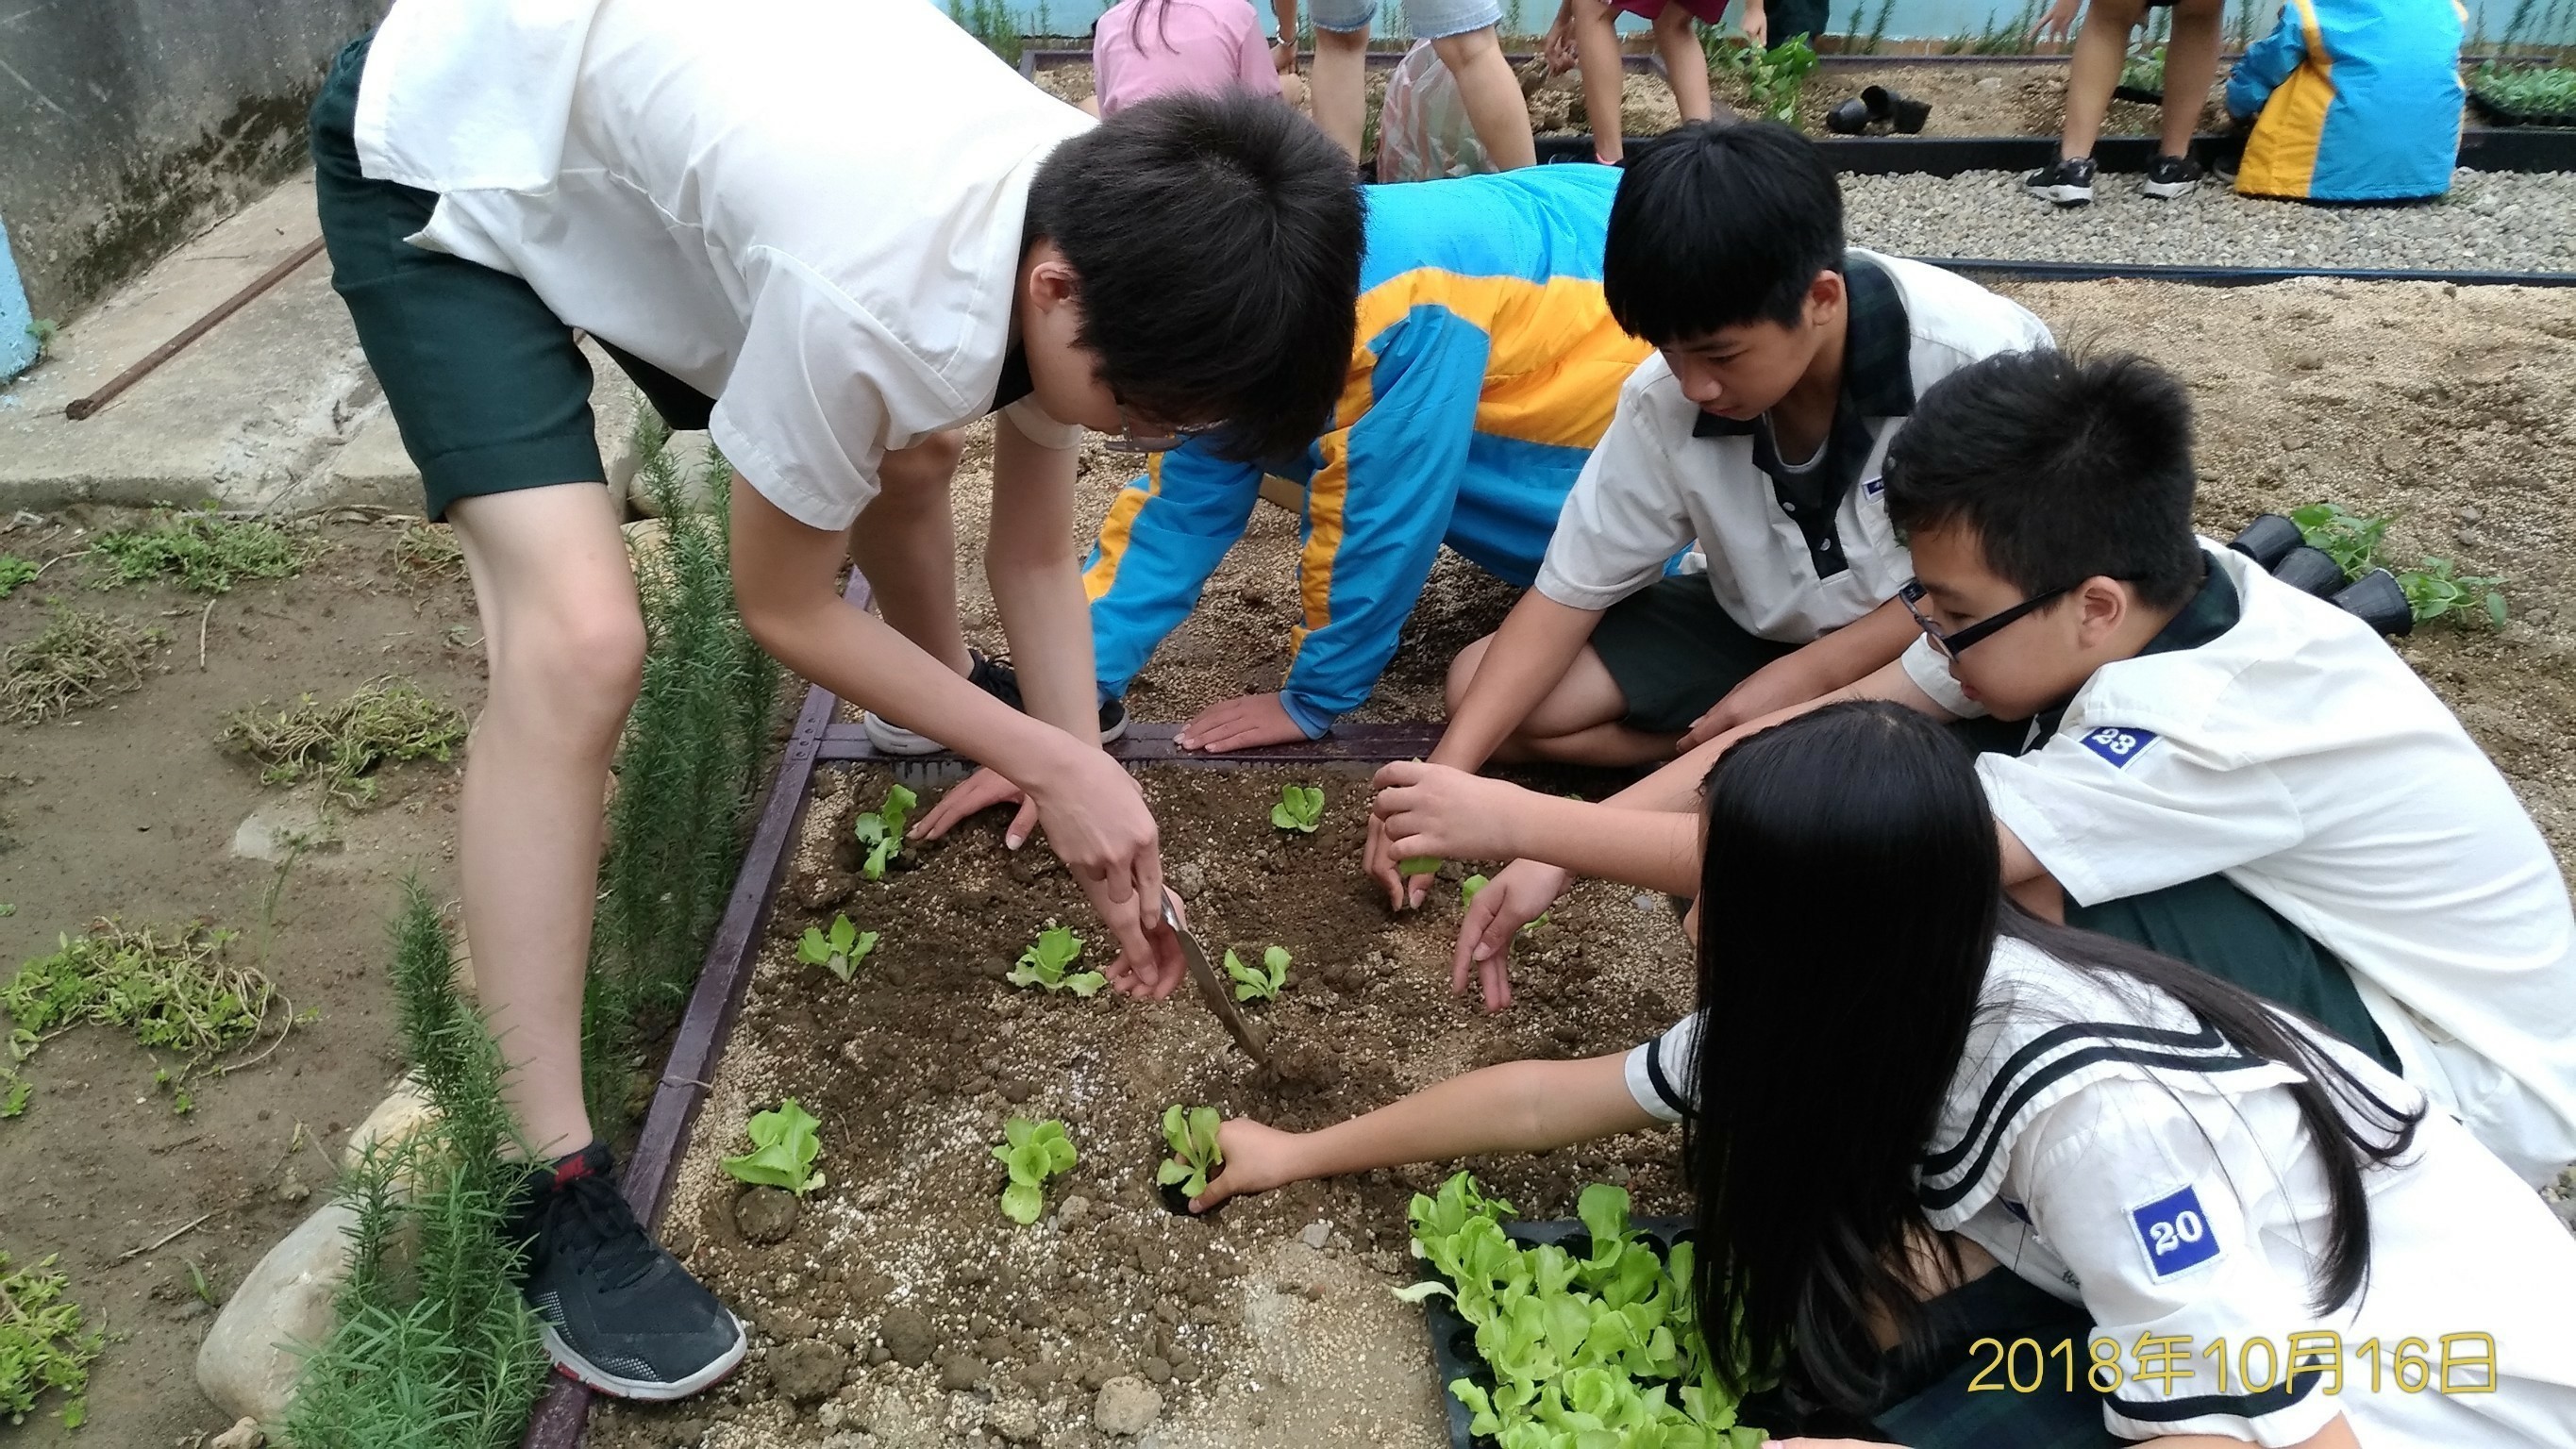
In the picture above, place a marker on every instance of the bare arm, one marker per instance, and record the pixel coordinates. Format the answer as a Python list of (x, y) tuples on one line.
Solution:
[(1036, 577), (1827, 663), (1527, 1106), (1676, 786)]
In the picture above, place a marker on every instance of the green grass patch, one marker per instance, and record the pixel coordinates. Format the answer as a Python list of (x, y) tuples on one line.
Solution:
[(200, 550), (434, 1347), (14, 572), (174, 989), (387, 721), (428, 551), (45, 1347), (687, 771), (2533, 90), (80, 658)]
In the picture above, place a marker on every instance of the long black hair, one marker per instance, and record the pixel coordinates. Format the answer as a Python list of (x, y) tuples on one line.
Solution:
[(1849, 904)]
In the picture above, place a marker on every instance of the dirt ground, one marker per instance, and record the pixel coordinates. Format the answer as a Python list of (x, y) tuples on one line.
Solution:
[(2001, 99), (1261, 1328), (129, 808)]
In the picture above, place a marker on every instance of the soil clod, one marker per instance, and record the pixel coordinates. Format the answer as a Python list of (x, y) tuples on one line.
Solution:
[(807, 1370), (765, 1214)]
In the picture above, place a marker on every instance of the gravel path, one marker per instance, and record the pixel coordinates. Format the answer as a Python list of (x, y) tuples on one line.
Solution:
[(2492, 221)]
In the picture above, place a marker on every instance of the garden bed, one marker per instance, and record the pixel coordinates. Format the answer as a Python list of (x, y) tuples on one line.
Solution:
[(1268, 1323)]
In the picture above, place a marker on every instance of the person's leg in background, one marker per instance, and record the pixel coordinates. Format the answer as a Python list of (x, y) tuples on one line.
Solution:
[(2101, 48), (1597, 58), (1685, 64), (1495, 106), (1338, 88), (564, 641), (2191, 64), (905, 542)]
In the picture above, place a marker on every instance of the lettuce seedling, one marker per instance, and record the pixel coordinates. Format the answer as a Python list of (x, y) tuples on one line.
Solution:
[(1195, 1154), (1258, 983), (1033, 1151), (839, 952), (1300, 808), (783, 1149), (1044, 963), (881, 830), (1418, 865)]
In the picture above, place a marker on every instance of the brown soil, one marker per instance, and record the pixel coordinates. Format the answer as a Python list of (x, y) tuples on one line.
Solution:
[(914, 1067), (128, 808)]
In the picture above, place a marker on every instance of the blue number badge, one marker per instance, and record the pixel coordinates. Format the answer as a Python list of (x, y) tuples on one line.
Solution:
[(2175, 1233), (2118, 743), (1872, 487)]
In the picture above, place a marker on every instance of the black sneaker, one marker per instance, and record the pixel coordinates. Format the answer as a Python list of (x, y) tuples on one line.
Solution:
[(995, 677), (2171, 177), (2068, 183), (617, 1312)]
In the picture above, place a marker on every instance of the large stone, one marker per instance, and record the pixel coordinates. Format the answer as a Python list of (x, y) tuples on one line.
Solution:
[(807, 1370), (396, 1119), (1126, 1406), (250, 1359)]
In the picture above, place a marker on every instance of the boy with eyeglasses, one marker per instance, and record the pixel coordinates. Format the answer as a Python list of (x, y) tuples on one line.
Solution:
[(2217, 766)]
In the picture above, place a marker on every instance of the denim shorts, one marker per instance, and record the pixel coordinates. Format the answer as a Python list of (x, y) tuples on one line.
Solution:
[(1429, 19)]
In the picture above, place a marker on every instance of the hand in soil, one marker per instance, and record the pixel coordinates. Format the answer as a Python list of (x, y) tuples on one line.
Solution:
[(1257, 1159), (1153, 976), (1517, 895), (1097, 820), (1245, 722), (1383, 863), (974, 795)]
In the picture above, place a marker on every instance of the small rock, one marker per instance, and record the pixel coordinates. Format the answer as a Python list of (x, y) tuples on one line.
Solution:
[(293, 1191), (1189, 878), (961, 1372), (908, 1336), (1316, 1233), (1126, 1406), (1073, 1210), (244, 1434), (1991, 83), (765, 1214), (1014, 1421), (807, 1370), (1157, 1371)]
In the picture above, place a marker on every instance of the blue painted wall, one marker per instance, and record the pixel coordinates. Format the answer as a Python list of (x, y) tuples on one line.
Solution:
[(17, 344)]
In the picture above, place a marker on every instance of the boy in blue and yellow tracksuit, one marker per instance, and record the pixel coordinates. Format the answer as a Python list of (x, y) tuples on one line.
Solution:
[(1486, 367), (2359, 100)]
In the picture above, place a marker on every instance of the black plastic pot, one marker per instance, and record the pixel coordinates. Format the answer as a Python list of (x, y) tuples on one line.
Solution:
[(2140, 94), (2310, 570), (2377, 600), (1453, 1339), (2268, 540)]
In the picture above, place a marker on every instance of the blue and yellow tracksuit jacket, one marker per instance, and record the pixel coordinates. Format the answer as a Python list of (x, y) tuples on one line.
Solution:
[(2359, 101), (1486, 367)]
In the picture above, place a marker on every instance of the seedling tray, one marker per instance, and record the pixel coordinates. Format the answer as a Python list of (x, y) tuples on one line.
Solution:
[(2505, 115), (1453, 1339)]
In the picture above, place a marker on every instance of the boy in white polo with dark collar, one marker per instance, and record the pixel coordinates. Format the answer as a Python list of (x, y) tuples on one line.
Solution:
[(1785, 364)]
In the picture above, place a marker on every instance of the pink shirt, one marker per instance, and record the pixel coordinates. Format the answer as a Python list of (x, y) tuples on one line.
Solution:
[(1142, 48)]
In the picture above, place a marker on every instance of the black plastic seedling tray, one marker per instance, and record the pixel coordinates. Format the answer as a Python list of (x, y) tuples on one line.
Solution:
[(1453, 1339)]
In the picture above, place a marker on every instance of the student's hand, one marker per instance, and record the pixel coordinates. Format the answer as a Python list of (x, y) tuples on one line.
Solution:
[(1098, 824), (1378, 861), (2058, 24), (1434, 810), (1518, 894), (1755, 22), (1257, 1159), (1558, 46), (1283, 54), (1151, 977), (1775, 686), (976, 794), (1244, 722)]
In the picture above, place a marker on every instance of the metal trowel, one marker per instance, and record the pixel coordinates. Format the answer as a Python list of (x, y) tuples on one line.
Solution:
[(1254, 1041)]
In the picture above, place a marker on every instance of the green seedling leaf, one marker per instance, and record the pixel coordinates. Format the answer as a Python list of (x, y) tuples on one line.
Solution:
[(2435, 590), (784, 1145), (1467, 889), (1258, 983), (1032, 1151), (838, 951), (1300, 808), (1192, 1135), (881, 830), (1418, 865), (1046, 960)]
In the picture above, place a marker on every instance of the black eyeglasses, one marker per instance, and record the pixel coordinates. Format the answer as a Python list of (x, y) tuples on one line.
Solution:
[(1955, 643)]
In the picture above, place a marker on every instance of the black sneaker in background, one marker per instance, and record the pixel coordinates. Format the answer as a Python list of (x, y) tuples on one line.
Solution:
[(2171, 178), (617, 1313), (995, 677), (2067, 183)]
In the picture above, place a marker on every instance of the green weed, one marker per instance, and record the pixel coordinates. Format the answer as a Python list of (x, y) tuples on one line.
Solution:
[(434, 1347), (202, 550), (44, 330), (44, 1345), (80, 658), (989, 21), (173, 989), (15, 571), (428, 551), (387, 721)]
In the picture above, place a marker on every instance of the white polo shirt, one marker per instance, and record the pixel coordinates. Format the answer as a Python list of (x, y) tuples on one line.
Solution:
[(2299, 756), (2112, 1151), (1667, 476), (809, 210)]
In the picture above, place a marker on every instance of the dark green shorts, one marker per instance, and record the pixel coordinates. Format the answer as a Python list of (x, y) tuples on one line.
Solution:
[(1674, 652), (486, 383)]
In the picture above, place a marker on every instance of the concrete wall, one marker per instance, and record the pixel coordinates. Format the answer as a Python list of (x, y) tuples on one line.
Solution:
[(128, 125)]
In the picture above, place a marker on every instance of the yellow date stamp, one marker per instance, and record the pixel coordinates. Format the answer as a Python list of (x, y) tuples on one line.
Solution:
[(2449, 1363)]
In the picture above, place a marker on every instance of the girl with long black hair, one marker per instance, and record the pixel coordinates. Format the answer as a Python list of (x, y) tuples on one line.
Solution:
[(1897, 1082)]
